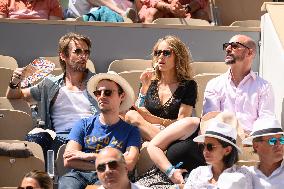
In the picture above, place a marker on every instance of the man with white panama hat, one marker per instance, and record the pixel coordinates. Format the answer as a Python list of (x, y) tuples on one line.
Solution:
[(114, 95), (267, 139)]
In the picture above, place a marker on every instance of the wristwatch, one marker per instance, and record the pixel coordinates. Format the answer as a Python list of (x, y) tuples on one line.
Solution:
[(13, 86)]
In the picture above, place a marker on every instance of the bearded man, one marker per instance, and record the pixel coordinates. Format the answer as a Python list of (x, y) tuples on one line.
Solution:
[(240, 90), (63, 99)]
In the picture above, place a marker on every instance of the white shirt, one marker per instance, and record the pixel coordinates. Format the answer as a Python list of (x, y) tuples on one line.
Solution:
[(133, 186), (68, 108), (199, 178), (274, 181), (251, 99)]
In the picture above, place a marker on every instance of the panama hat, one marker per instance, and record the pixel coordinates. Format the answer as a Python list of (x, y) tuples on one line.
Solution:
[(264, 127), (113, 76), (222, 126)]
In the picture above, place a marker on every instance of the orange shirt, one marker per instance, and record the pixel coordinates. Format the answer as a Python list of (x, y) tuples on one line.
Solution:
[(31, 9)]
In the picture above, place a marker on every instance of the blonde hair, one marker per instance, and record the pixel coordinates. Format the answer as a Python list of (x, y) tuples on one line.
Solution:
[(183, 57)]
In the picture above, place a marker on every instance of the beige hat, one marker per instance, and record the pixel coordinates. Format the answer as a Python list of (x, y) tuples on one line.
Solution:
[(113, 76), (264, 127)]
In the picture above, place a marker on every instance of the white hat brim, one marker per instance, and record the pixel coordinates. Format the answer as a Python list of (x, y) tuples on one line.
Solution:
[(201, 138), (128, 90), (248, 140)]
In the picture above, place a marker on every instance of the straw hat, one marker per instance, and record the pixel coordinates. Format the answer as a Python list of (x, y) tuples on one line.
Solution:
[(264, 127), (113, 76)]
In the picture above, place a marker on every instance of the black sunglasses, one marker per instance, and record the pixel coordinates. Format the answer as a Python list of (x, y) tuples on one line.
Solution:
[(111, 165), (234, 45), (210, 147), (80, 52), (166, 53), (27, 187), (107, 92)]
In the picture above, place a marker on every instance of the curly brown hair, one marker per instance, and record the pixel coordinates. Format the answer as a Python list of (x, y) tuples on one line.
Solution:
[(183, 57)]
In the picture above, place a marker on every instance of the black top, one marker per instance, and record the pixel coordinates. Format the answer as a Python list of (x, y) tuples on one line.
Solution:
[(186, 93)]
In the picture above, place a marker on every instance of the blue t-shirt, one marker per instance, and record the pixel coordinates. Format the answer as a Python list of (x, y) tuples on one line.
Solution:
[(93, 136)]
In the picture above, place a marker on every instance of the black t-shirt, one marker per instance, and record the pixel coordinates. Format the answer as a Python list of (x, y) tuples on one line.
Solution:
[(186, 93)]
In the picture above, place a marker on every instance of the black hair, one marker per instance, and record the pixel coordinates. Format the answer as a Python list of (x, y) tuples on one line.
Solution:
[(230, 159)]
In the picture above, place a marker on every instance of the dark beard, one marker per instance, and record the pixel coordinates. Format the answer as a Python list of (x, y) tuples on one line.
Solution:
[(78, 68)]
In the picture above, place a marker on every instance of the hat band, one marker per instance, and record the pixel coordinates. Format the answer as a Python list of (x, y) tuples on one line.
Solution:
[(221, 135), (265, 131)]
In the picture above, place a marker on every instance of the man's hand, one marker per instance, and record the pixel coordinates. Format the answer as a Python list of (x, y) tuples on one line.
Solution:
[(177, 9), (79, 155)]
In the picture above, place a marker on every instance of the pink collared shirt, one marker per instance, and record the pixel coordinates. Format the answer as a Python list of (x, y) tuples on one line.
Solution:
[(251, 99)]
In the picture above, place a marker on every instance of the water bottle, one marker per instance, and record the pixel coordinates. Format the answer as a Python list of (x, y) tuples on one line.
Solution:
[(50, 163)]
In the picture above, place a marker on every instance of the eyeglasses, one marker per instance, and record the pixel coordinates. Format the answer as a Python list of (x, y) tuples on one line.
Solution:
[(107, 92), (210, 147), (80, 52), (27, 187), (111, 165), (272, 141), (234, 45), (166, 53)]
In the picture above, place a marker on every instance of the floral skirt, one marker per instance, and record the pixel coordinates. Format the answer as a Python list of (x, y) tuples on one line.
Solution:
[(154, 178)]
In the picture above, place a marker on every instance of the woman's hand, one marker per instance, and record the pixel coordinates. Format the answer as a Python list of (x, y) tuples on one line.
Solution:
[(146, 78), (177, 177)]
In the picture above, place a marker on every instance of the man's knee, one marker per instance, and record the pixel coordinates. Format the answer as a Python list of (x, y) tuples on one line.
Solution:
[(71, 180)]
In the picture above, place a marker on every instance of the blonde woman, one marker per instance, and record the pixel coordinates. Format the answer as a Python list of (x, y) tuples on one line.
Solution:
[(168, 93), (166, 100)]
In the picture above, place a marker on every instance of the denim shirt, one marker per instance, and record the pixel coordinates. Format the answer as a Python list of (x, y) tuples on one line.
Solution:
[(46, 90)]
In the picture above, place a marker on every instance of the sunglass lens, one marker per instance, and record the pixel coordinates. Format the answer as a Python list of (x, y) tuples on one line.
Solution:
[(113, 165), (29, 187), (272, 141), (167, 53), (209, 147), (281, 139), (97, 93), (108, 92), (101, 168)]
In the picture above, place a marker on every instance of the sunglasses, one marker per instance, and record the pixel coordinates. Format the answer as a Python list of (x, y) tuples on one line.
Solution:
[(27, 187), (80, 52), (234, 45), (272, 141), (166, 53), (111, 165), (107, 92), (210, 147)]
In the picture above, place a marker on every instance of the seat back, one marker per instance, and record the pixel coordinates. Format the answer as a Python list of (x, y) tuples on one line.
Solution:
[(14, 124), (59, 162), (13, 169), (15, 104), (129, 65), (8, 62), (208, 67), (229, 11), (246, 23), (182, 21), (202, 80), (5, 77), (133, 78)]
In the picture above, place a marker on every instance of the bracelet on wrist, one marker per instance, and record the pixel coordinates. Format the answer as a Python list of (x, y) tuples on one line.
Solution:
[(169, 169)]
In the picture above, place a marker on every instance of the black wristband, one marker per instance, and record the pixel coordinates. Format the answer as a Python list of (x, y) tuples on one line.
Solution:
[(188, 8), (13, 86)]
